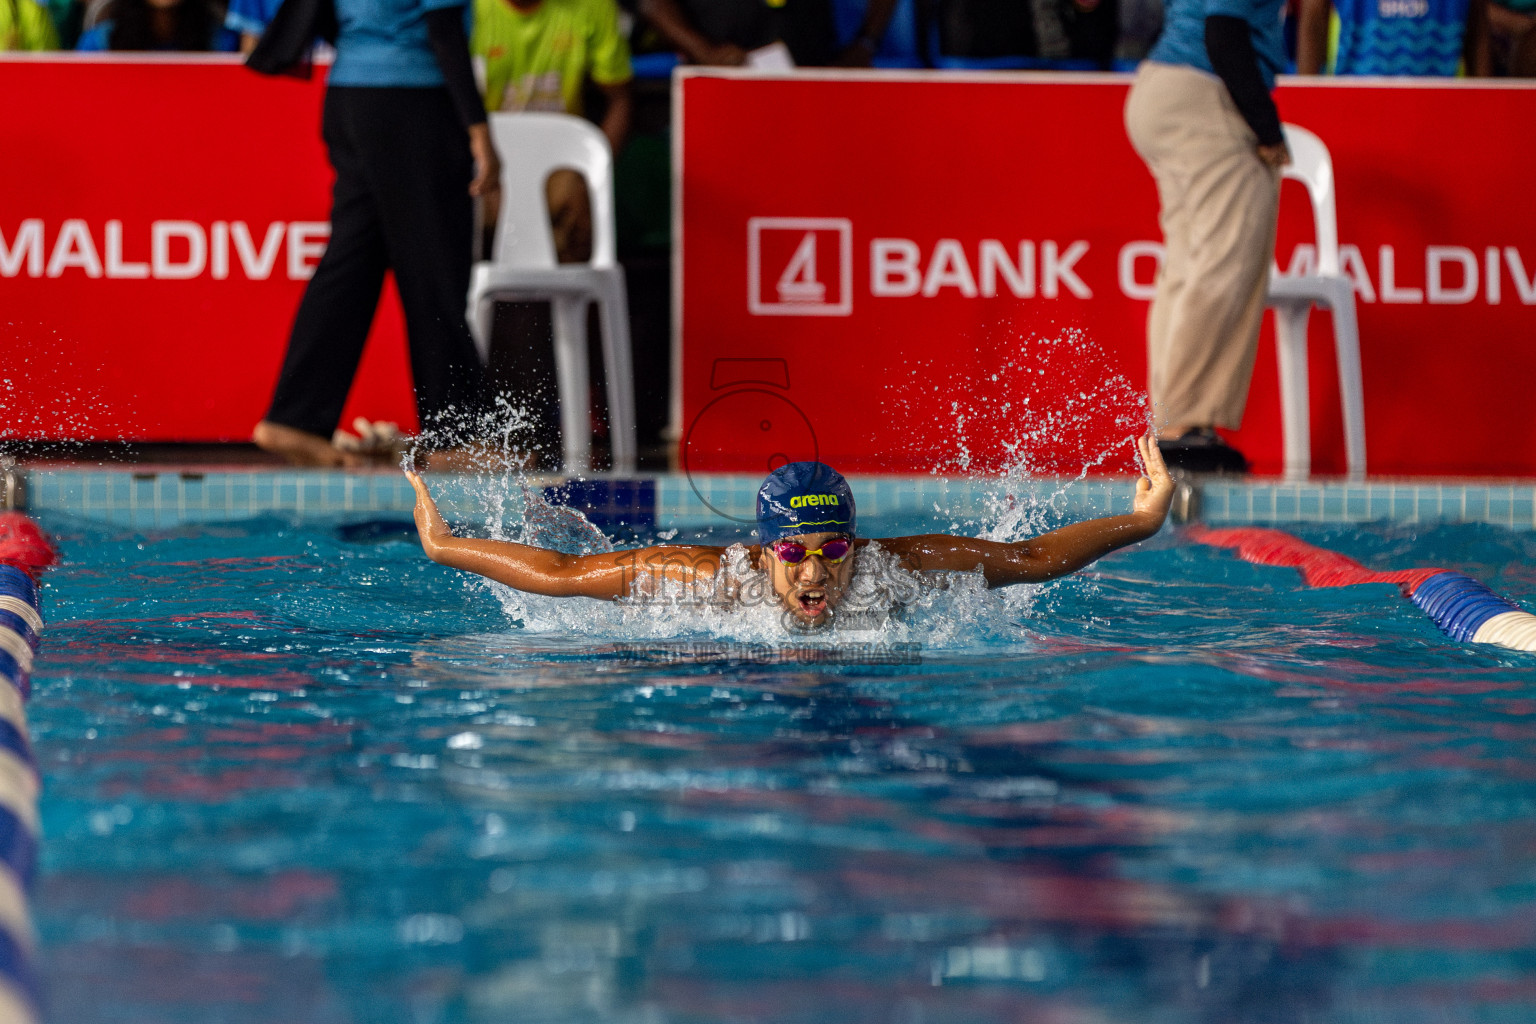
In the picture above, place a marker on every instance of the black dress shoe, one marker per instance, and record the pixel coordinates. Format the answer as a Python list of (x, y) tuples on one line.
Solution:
[(1202, 450)]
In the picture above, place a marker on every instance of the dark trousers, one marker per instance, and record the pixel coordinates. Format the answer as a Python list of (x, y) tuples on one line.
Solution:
[(401, 203)]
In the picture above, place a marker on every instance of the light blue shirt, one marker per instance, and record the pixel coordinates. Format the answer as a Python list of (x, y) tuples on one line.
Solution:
[(1183, 38), (384, 43), (1400, 37)]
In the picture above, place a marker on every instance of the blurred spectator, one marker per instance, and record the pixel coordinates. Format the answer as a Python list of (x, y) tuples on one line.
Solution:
[(1512, 37), (1141, 22), (725, 32), (986, 29), (543, 55), (189, 25), (405, 127), (1091, 28), (1393, 37), (1201, 115), (539, 55), (68, 19), (1009, 33), (249, 19), (26, 25)]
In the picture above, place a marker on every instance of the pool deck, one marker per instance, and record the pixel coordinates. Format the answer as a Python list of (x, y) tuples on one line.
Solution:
[(146, 495)]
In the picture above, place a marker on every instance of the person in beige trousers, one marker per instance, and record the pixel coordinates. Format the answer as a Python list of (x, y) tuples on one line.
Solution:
[(1218, 183)]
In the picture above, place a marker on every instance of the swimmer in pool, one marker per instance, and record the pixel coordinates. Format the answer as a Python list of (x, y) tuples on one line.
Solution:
[(806, 531)]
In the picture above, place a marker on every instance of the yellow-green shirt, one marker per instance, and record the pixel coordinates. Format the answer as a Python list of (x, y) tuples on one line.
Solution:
[(539, 60), (25, 25)]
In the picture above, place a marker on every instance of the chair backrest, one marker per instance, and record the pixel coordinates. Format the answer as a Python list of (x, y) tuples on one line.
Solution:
[(531, 146), (1313, 167)]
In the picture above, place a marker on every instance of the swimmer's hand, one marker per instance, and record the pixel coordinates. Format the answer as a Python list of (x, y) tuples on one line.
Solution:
[(1154, 492), (430, 524)]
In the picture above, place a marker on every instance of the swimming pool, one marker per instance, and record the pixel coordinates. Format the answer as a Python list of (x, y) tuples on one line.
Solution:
[(293, 771)]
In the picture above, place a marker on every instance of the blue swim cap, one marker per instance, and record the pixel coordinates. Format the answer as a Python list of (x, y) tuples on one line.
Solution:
[(803, 497)]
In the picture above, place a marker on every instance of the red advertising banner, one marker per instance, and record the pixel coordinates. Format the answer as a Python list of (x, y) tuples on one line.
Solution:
[(909, 272), (158, 220)]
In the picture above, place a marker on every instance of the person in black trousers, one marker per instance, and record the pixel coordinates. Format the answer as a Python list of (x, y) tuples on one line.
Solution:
[(399, 100)]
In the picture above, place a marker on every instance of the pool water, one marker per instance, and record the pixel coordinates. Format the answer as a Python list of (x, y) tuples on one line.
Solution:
[(302, 774)]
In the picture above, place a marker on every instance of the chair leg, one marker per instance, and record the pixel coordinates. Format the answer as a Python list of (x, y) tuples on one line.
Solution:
[(619, 370), (481, 314), (1295, 403), (570, 329), (1346, 339)]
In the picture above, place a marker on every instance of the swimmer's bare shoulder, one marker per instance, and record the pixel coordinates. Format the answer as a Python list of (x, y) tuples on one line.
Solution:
[(608, 575)]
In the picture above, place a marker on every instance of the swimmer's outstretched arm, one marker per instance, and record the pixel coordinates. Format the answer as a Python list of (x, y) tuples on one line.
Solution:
[(1051, 554), (609, 575)]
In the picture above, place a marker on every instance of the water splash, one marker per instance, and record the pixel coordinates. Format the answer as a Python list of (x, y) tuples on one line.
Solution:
[(560, 527), (885, 606), (1049, 403), (1050, 415), (40, 399)]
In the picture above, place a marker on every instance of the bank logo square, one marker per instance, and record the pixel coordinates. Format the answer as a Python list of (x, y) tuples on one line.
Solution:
[(800, 266)]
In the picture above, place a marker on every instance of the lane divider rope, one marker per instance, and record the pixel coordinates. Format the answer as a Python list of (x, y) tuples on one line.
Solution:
[(24, 553), (1463, 608)]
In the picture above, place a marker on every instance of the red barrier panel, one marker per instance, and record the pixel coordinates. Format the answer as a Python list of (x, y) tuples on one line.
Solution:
[(897, 272), (977, 265), (158, 219)]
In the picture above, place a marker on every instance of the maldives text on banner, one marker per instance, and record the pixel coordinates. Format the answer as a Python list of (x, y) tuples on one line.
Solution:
[(904, 272), (156, 229)]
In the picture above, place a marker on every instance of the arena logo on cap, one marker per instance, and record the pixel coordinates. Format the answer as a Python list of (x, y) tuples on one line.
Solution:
[(802, 500)]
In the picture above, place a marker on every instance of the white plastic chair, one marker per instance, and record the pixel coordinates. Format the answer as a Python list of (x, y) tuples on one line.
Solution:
[(523, 267), (1293, 296)]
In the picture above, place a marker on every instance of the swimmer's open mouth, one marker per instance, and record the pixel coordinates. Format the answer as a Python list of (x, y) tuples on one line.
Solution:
[(813, 602)]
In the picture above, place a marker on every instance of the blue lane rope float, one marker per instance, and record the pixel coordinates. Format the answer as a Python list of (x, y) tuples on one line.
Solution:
[(24, 553), (20, 625), (1459, 605)]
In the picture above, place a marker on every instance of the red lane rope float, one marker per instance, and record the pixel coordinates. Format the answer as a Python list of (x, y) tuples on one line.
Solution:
[(1320, 567), (25, 546), (1462, 607)]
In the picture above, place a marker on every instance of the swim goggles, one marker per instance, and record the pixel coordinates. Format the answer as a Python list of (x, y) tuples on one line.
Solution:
[(793, 552)]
